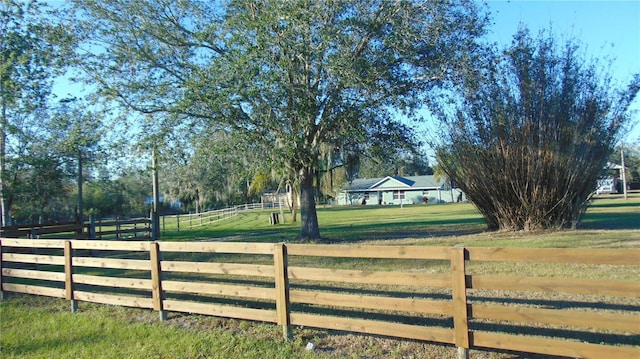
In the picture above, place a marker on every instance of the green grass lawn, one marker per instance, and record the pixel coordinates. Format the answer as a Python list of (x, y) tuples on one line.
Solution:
[(37, 327), (610, 221)]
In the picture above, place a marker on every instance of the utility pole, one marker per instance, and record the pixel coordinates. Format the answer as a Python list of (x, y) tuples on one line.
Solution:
[(623, 173), (5, 219), (155, 214), (80, 209)]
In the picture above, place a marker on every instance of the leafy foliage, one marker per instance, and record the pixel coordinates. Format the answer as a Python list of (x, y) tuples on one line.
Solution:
[(293, 75), (224, 169), (33, 49)]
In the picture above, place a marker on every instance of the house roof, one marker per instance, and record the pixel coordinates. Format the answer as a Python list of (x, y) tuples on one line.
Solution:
[(613, 166), (391, 183), (395, 181)]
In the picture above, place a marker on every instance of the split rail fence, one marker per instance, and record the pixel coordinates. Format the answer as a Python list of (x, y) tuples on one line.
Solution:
[(436, 294), (118, 228), (191, 220)]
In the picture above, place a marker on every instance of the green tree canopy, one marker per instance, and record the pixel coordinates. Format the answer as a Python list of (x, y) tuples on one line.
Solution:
[(33, 50), (530, 132), (296, 75)]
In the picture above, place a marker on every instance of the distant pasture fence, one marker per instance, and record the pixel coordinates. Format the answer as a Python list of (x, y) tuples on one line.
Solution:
[(125, 228), (116, 228), (191, 220), (432, 294)]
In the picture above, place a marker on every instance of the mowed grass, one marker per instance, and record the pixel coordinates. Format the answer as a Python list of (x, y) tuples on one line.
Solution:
[(37, 327), (610, 221), (343, 224)]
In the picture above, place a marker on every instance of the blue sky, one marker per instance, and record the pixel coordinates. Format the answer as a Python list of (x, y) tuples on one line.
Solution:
[(608, 29), (605, 29)]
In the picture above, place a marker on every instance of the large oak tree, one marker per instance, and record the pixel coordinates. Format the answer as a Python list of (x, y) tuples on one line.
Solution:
[(297, 75)]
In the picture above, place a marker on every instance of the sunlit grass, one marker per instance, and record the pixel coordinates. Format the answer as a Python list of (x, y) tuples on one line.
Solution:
[(32, 331), (610, 221)]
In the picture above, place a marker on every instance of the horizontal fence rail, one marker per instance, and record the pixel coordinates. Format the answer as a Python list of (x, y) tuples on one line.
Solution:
[(79, 230), (191, 220), (452, 295), (118, 228), (126, 228)]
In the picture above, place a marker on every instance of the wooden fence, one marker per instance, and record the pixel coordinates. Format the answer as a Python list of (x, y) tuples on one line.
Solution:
[(118, 228), (191, 220), (79, 230), (436, 294)]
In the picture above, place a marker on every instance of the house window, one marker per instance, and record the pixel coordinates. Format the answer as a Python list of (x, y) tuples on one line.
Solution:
[(366, 196), (398, 195)]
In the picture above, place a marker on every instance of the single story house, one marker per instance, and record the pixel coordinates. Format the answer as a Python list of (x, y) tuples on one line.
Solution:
[(612, 182), (396, 190)]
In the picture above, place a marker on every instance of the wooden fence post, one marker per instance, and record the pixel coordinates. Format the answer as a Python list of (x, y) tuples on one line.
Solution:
[(68, 276), (282, 288), (460, 314), (156, 279), (155, 225), (92, 227), (1, 293)]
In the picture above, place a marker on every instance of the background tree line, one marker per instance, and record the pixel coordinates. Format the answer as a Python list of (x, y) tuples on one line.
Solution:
[(241, 97)]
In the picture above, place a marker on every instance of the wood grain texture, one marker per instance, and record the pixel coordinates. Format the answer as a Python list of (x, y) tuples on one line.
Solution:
[(358, 251), (627, 322), (221, 310), (32, 258), (217, 247), (218, 268), (33, 274), (556, 285), (122, 300), (370, 277), (32, 289), (546, 346), (441, 335), (410, 305), (557, 255)]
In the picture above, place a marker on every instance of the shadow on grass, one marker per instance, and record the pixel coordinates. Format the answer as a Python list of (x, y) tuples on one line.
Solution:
[(611, 204), (611, 220), (354, 233), (613, 212), (403, 230)]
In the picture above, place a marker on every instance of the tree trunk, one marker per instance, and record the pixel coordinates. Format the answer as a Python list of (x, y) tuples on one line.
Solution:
[(309, 218), (294, 206)]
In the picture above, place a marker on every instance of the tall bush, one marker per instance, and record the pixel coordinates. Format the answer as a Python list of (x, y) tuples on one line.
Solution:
[(530, 131)]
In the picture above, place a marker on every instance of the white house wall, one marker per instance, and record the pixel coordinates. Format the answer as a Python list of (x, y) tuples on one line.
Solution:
[(411, 197)]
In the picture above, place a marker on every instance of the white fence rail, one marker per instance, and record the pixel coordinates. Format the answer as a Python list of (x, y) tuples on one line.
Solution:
[(192, 220)]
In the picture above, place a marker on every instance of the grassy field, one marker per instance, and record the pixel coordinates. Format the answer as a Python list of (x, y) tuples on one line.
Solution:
[(37, 327), (611, 221)]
